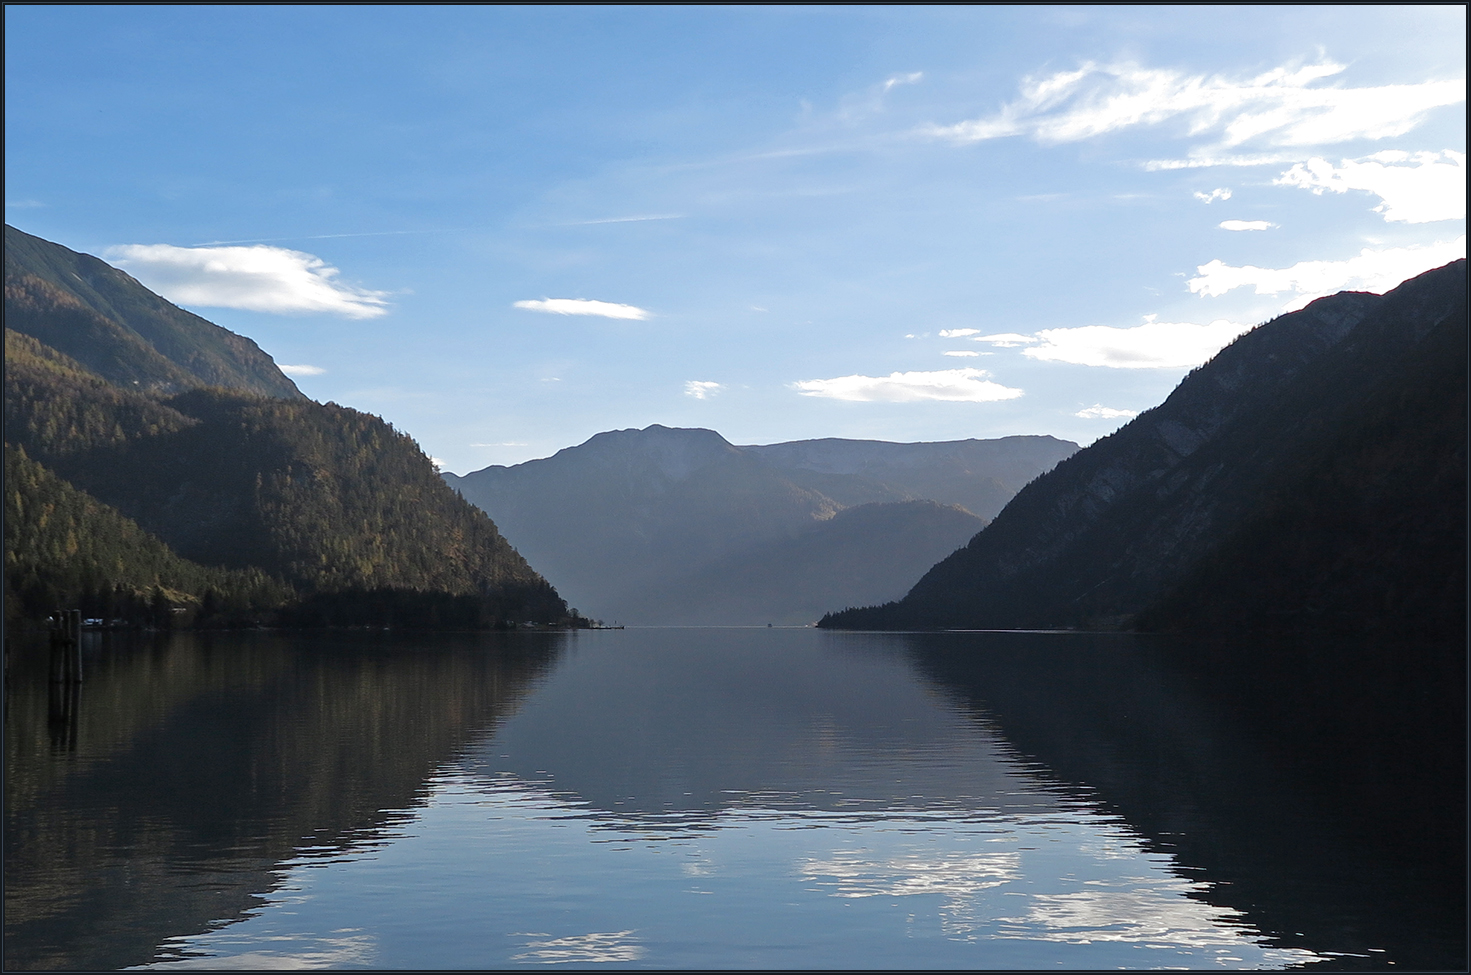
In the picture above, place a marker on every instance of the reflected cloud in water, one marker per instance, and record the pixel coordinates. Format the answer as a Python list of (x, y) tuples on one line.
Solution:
[(612, 946)]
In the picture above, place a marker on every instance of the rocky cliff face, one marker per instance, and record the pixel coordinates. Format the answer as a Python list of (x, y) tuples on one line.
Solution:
[(1117, 527)]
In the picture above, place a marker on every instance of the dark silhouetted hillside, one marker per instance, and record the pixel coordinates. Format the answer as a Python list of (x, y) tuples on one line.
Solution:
[(1312, 475)]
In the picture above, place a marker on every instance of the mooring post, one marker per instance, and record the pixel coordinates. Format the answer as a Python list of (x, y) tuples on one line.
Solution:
[(74, 618), (66, 647)]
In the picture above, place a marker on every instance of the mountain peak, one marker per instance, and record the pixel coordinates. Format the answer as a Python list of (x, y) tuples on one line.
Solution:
[(676, 452)]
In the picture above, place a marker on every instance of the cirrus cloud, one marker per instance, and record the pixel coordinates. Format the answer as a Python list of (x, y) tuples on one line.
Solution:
[(1285, 106), (1246, 225), (953, 385), (582, 306), (300, 370), (259, 278)]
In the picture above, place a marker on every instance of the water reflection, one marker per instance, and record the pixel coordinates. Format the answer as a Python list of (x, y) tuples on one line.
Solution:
[(728, 798), (160, 796), (1319, 786)]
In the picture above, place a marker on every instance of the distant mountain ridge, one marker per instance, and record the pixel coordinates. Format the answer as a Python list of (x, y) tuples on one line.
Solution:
[(666, 525), (1243, 484)]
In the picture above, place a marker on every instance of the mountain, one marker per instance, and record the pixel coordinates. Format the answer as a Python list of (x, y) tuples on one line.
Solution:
[(192, 487), (105, 320), (666, 525), (871, 552), (1311, 476), (980, 476)]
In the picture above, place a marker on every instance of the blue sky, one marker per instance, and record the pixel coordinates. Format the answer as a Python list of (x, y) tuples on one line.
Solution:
[(507, 229)]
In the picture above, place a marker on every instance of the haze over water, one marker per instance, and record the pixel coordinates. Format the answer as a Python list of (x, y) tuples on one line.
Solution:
[(682, 798)]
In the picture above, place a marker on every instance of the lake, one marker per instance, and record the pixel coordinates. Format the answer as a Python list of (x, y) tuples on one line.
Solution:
[(735, 798)]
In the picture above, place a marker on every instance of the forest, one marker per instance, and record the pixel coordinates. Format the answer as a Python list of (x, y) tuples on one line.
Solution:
[(169, 475)]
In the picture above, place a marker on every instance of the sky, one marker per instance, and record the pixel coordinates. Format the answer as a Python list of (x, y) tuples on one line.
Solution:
[(507, 229)]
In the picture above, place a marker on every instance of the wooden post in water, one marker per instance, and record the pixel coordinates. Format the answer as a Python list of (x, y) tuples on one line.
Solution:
[(66, 647)]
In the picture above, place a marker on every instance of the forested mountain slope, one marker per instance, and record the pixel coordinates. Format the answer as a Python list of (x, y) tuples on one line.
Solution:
[(278, 506), (1289, 482), (111, 324), (666, 525)]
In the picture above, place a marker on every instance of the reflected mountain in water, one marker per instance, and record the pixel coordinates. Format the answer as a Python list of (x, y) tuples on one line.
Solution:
[(678, 725), (196, 763), (1319, 786), (1313, 792)]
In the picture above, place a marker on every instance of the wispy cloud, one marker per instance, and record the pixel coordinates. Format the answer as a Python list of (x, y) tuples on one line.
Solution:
[(963, 354), (1421, 188), (1153, 345), (958, 333), (911, 78), (955, 385), (258, 278), (1005, 340), (870, 101), (1287, 106), (23, 204), (1100, 412), (300, 370), (640, 219), (581, 306), (371, 233), (701, 390), (1213, 195), (1246, 225), (1372, 270)]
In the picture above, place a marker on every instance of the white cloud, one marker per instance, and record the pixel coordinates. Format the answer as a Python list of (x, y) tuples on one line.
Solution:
[(1426, 187), (701, 390), (1371, 270), (1213, 195), (1100, 412), (1281, 107), (1153, 345), (957, 333), (1247, 225), (301, 370), (580, 306), (1006, 340), (911, 78), (259, 278), (955, 385), (964, 354)]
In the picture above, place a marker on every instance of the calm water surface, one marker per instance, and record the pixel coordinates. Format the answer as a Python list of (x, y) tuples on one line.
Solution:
[(730, 798)]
